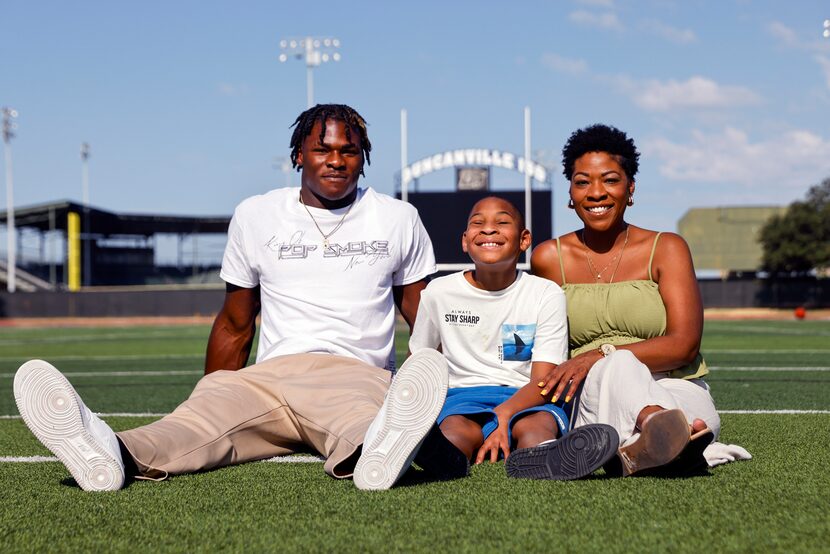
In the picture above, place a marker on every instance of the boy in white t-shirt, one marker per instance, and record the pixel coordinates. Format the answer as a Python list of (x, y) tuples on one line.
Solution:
[(503, 331)]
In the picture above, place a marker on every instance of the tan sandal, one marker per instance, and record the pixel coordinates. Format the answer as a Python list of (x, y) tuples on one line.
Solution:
[(689, 462), (663, 437)]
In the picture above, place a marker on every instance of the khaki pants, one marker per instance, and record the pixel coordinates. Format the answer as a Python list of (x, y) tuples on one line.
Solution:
[(280, 406), (619, 386)]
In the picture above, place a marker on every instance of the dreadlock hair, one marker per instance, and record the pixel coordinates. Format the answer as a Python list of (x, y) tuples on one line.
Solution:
[(601, 138), (323, 112)]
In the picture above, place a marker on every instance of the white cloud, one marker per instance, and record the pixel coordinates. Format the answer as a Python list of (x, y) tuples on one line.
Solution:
[(606, 20), (694, 93), (230, 89), (597, 3), (563, 64), (771, 168), (788, 37), (673, 34), (783, 34), (810, 40)]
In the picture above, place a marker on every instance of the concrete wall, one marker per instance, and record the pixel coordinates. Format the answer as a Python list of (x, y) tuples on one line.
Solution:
[(206, 301), (137, 301), (811, 293)]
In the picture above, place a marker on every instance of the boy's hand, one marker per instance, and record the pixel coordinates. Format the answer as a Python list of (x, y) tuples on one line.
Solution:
[(497, 441), (567, 377)]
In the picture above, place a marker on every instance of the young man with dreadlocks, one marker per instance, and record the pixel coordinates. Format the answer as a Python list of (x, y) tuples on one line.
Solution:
[(325, 264)]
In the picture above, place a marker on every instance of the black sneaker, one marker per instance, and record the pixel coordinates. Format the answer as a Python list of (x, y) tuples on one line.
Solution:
[(576, 455), (440, 458)]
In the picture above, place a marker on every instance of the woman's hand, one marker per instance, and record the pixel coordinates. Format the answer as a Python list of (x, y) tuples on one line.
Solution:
[(498, 441), (568, 376)]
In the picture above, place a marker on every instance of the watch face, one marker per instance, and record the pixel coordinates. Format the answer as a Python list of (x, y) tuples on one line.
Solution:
[(607, 349)]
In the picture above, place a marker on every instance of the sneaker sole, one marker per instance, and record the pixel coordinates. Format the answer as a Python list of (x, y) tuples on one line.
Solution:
[(49, 407), (414, 400), (574, 456)]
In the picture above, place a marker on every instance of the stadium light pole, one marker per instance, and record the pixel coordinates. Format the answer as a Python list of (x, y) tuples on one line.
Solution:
[(9, 114), (528, 185), (315, 51), (404, 155), (85, 153)]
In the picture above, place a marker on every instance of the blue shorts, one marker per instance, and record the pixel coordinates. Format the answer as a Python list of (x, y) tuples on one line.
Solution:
[(480, 401)]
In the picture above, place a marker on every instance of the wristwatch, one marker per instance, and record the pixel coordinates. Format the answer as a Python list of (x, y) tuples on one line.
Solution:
[(607, 349)]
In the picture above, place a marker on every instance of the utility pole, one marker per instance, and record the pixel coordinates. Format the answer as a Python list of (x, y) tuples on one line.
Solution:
[(11, 237), (85, 153), (314, 51)]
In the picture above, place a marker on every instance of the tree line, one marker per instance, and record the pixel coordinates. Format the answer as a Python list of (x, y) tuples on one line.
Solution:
[(798, 242)]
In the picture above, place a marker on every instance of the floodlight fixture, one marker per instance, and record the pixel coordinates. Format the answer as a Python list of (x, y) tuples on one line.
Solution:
[(87, 230), (314, 51), (9, 115)]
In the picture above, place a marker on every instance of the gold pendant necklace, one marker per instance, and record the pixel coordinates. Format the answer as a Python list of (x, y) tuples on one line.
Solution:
[(618, 258), (336, 227)]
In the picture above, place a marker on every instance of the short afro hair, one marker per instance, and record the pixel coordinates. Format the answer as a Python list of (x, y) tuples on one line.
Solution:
[(322, 112), (520, 217), (601, 138)]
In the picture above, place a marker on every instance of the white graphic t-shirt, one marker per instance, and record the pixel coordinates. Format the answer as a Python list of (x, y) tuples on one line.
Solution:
[(335, 299), (492, 337)]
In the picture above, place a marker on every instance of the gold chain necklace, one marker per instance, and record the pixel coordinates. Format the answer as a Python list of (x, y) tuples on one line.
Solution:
[(618, 258), (336, 227)]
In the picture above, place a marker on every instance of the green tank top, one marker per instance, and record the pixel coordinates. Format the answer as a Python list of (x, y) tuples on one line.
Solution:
[(619, 313)]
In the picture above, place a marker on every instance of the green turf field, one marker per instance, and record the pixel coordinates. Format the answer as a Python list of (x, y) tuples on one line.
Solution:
[(779, 501)]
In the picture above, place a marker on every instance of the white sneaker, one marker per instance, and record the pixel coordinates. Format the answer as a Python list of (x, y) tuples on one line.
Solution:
[(412, 405), (61, 421)]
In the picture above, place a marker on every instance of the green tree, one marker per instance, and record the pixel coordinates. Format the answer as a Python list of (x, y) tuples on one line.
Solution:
[(799, 241)]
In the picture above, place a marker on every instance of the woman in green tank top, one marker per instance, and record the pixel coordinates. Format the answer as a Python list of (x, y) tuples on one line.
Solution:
[(634, 312)]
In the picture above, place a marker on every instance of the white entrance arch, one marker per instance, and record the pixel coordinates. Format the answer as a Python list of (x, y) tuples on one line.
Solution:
[(531, 170)]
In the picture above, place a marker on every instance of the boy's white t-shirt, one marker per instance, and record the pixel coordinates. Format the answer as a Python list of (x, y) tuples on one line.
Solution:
[(336, 300), (492, 337)]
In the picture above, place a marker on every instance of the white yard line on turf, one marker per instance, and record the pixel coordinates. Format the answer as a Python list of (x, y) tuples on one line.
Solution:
[(276, 459), (93, 338), (774, 412), (314, 459), (748, 351), (766, 368), (121, 373), (112, 414), (747, 329), (114, 358), (199, 372), (153, 414)]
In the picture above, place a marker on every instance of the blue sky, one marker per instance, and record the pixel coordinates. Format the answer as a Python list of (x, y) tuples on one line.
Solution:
[(185, 104)]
